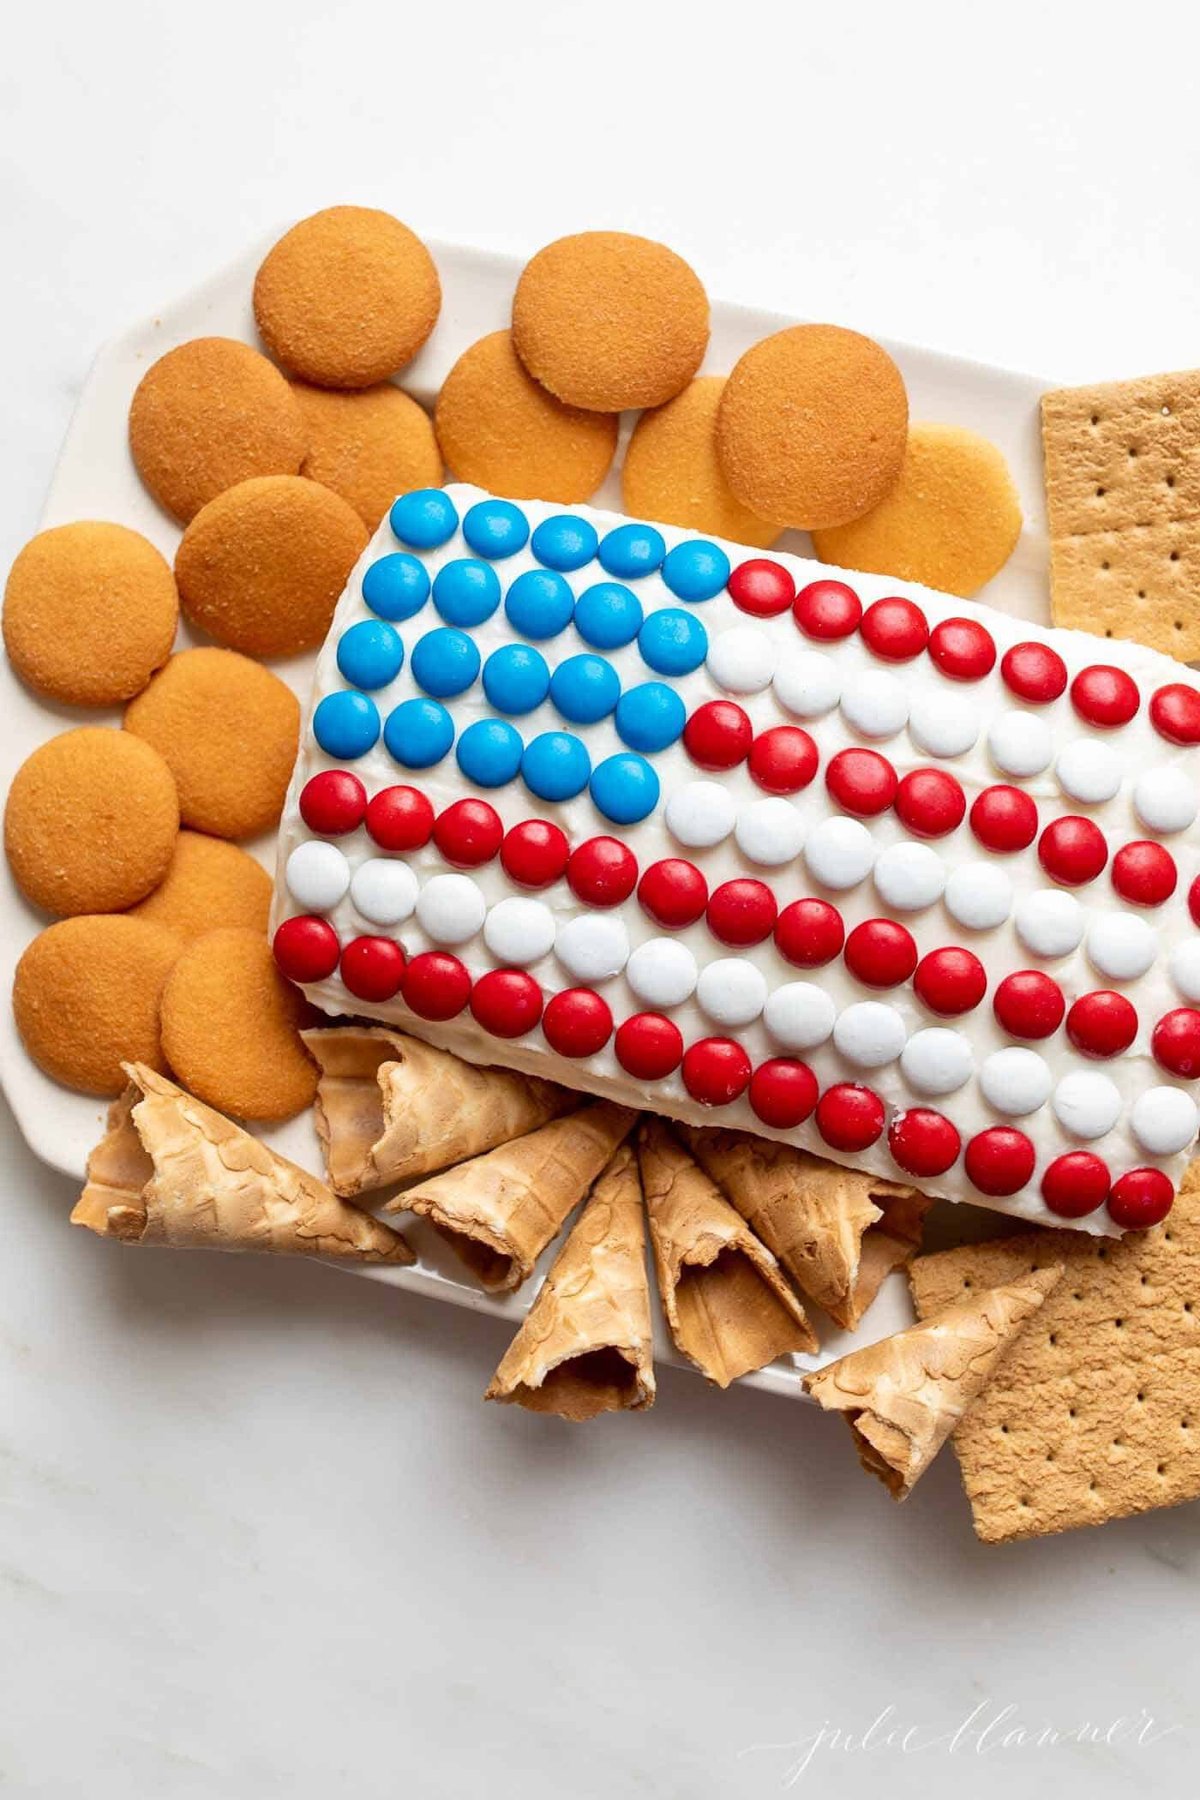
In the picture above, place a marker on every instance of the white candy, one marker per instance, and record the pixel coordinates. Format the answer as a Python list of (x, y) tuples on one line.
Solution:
[(808, 684), (1164, 1120), (318, 875), (943, 724), (383, 891), (937, 1060), (1089, 771), (799, 1015), (518, 931), (1020, 743), (700, 814), (742, 659), (1185, 968), (1015, 1081), (869, 1034), (662, 972), (1165, 799), (1121, 945), (839, 852), (1087, 1104), (770, 832), (979, 895), (1049, 922), (909, 876), (450, 909), (731, 991), (875, 703), (593, 946)]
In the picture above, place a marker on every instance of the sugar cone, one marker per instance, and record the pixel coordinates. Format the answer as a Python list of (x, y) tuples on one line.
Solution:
[(585, 1346), (889, 1244), (390, 1108), (170, 1170), (500, 1210), (727, 1304), (903, 1397)]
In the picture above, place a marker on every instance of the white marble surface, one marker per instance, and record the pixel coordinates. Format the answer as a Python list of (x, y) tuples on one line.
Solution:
[(258, 1535)]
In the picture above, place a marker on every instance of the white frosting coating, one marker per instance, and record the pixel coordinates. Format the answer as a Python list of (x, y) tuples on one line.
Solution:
[(662, 973), (1050, 922), (1016, 1081), (1164, 1120), (870, 1034), (807, 683), (317, 875), (701, 814), (384, 890), (909, 876), (1121, 945), (875, 703), (1088, 771), (519, 931), (1165, 799), (1087, 1103), (593, 946), (450, 909), (979, 895), (731, 991), (1020, 743), (799, 1015), (840, 852), (742, 660), (1185, 968), (944, 723), (937, 1060), (770, 832)]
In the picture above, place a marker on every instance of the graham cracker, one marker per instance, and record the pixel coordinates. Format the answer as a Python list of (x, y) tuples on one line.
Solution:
[(1122, 463), (1095, 1414)]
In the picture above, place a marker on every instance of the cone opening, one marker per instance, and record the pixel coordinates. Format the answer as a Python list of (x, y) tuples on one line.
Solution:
[(597, 1381), (491, 1268)]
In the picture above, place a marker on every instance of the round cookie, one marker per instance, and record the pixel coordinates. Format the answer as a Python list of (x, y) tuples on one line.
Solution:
[(89, 613), (210, 884), (672, 471), (812, 426), (229, 731), (368, 446), (86, 998), (347, 297), (502, 430), (91, 822), (210, 414), (607, 320), (260, 568), (231, 1028), (951, 521)]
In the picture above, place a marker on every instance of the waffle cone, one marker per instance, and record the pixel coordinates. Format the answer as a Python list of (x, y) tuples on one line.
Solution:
[(889, 1244)]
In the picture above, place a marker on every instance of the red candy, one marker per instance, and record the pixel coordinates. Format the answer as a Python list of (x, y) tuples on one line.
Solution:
[(400, 818), (436, 985), (506, 1002), (809, 933), (950, 981), (827, 610), (1004, 819), (602, 872), (715, 1071), (1028, 1004), (962, 649), (1194, 901), (783, 1092), (741, 912), (1175, 713), (880, 953), (1176, 1042), (930, 802), (861, 781), (373, 968), (648, 1046), (761, 588), (1102, 1023), (1075, 1184), (1034, 672), (1140, 1198), (468, 833), (1144, 873), (895, 629), (306, 948), (333, 802), (534, 853), (718, 735), (1072, 851), (923, 1142), (673, 893), (577, 1022), (783, 760), (849, 1116), (1105, 696), (999, 1160)]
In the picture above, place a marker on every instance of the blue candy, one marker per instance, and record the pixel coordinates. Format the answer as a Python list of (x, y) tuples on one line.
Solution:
[(346, 725), (425, 518), (539, 604), (396, 587), (608, 615), (564, 542), (489, 752), (631, 550), (673, 642), (585, 688), (418, 733), (625, 788), (466, 592), (650, 717), (370, 654), (696, 570), (496, 528), (515, 678), (556, 766), (445, 662)]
